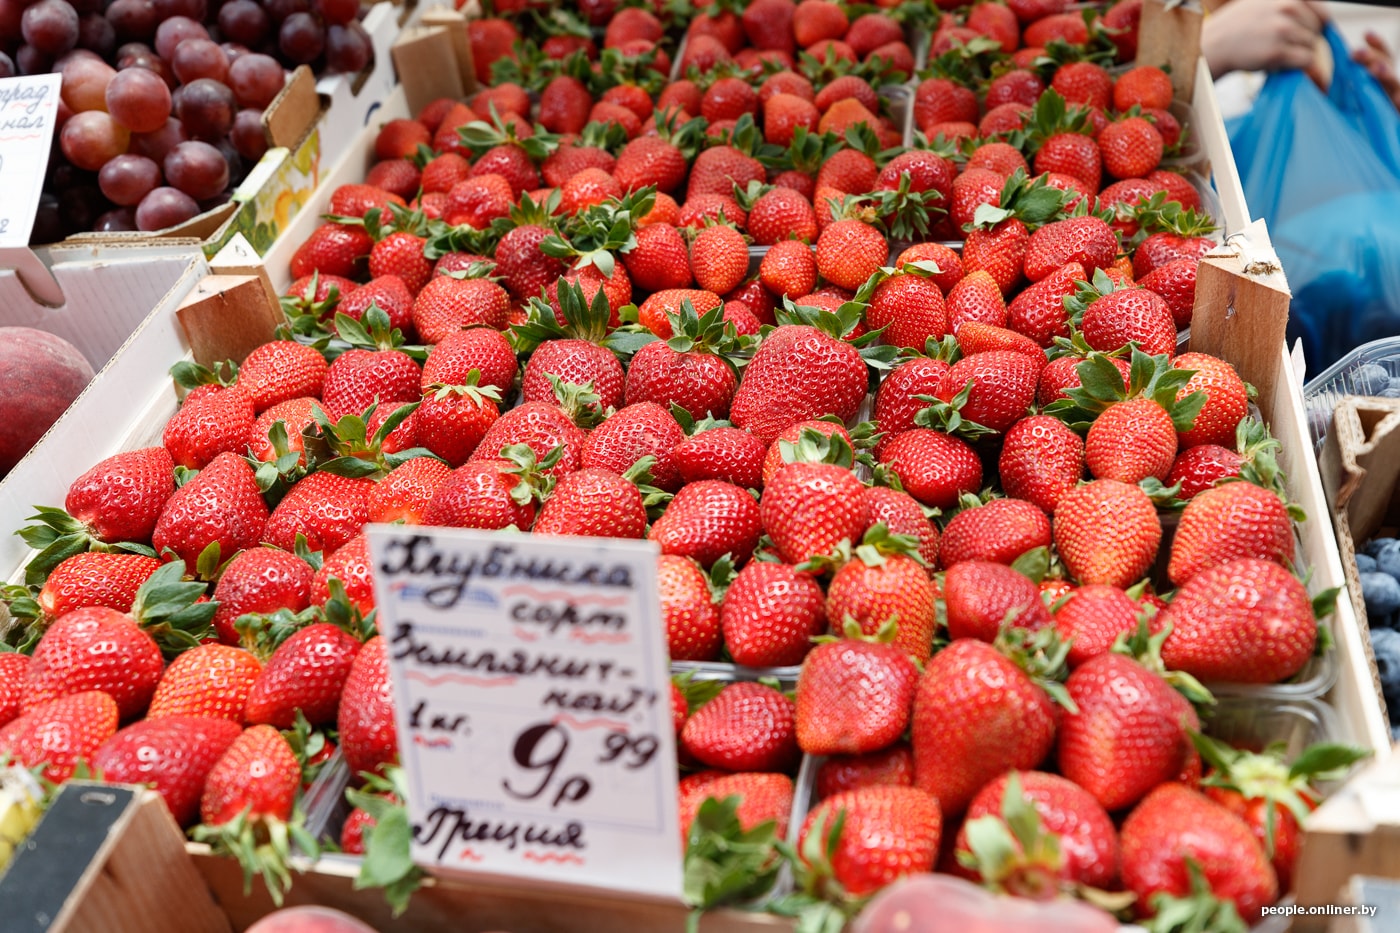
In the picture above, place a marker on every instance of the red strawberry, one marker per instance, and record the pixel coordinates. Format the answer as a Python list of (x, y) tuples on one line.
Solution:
[(902, 515), (719, 169), (884, 584), (14, 668), (1164, 247), (849, 252), (577, 362), (789, 269), (306, 673), (810, 508), (762, 797), (480, 348), (999, 251), (1039, 312), (1175, 282), (798, 373), (1118, 318), (1092, 617), (1130, 441), (541, 426), (1146, 87), (849, 171), (593, 502), (707, 520), (1071, 154), (940, 100), (121, 497), (1088, 241), (221, 505), (1131, 148), (720, 453), (853, 696), (261, 581), (897, 402), (909, 307), (1020, 88), (976, 715), (640, 430), (688, 609), (1107, 532), (658, 261), (1178, 841), (520, 262), (886, 834), (172, 755), (1229, 522), (984, 597), (1002, 387), (443, 172), (349, 565), (259, 774), (209, 424), (782, 214), (366, 720), (656, 313), (1199, 468), (481, 494), (974, 338), (454, 418), (405, 493), (211, 681), (333, 249), (95, 578), (999, 531), (934, 467), (892, 766), (770, 614), (356, 200), (59, 734), (280, 371), (1084, 83), (1041, 460), (1129, 733), (746, 727), (448, 304), (361, 378), (327, 509), (1227, 399), (651, 160)]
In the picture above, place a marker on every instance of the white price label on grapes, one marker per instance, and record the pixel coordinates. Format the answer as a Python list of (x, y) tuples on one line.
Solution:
[(532, 694), (28, 116)]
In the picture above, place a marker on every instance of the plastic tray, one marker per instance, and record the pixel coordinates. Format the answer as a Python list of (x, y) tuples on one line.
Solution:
[(1322, 393)]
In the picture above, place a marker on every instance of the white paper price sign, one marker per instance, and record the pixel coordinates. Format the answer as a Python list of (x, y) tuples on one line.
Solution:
[(28, 108), (531, 688)]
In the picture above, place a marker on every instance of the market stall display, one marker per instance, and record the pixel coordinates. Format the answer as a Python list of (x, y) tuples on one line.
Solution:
[(884, 328)]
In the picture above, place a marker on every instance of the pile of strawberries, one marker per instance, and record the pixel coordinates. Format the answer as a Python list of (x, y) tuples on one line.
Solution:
[(908, 425)]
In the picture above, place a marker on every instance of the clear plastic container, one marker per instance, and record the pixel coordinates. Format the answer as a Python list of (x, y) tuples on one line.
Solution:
[(898, 101), (1192, 154), (723, 670), (1348, 376), (324, 801), (756, 254)]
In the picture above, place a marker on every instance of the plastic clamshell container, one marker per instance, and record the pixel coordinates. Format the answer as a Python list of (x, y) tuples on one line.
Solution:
[(1344, 377), (1192, 154)]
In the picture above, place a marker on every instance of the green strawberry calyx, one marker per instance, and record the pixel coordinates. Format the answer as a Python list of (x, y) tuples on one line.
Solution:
[(262, 845), (709, 333), (287, 467), (583, 319), (57, 536), (806, 154), (1200, 909), (1268, 775), (880, 543), (294, 306), (1149, 377), (1012, 851), (593, 235), (1159, 215), (840, 324), (388, 863), (167, 606), (820, 902), (1042, 654), (534, 482), (725, 863), (481, 135), (346, 448), (1033, 202), (971, 63), (1145, 647), (947, 416), (1052, 116)]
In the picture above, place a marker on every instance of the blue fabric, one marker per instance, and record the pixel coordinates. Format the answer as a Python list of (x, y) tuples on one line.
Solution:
[(1324, 171)]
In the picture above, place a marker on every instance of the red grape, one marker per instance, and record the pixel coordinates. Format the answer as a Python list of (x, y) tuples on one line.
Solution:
[(121, 220), (79, 207), (165, 207), (157, 144), (139, 100), (51, 26), (85, 83), (206, 108), (133, 19), (301, 38), (199, 58), (128, 51), (73, 55), (175, 30), (84, 7), (248, 135), (196, 10), (95, 32), (48, 220), (256, 80), (198, 169), (279, 10), (128, 178), (31, 61), (7, 66), (338, 12), (233, 50), (11, 13), (243, 21), (91, 138), (157, 66), (348, 48)]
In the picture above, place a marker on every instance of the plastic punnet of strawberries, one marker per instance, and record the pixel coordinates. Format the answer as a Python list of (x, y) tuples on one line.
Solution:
[(911, 456)]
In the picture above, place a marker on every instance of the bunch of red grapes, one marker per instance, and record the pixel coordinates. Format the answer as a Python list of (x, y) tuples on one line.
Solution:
[(162, 100)]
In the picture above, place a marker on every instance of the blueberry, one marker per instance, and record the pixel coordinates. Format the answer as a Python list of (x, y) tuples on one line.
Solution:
[(1385, 643), (1370, 379), (1381, 592), (1365, 563), (1395, 733), (1392, 389), (1388, 559), (1376, 545)]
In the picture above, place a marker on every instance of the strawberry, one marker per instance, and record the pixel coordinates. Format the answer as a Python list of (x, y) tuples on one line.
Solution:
[(1167, 246), (1199, 468), (1085, 849), (789, 269), (222, 505), (1178, 188), (939, 100), (1227, 399), (1092, 617), (762, 797), (781, 214), (173, 755), (691, 369), (853, 695), (770, 614), (403, 495), (258, 774), (934, 467), (720, 258), (728, 99), (976, 714), (454, 418), (564, 104), (849, 252), (896, 401), (1129, 732), (722, 453), (262, 581), (488, 494), (908, 307), (279, 371), (636, 431), (366, 720), (688, 608), (1107, 532), (783, 114), (60, 734), (399, 139), (541, 426), (999, 251), (777, 456), (210, 681), (209, 424), (593, 502), (491, 38), (1114, 317), (14, 667), (1146, 87), (720, 169), (1039, 312), (885, 584), (1000, 531), (390, 294), (890, 766), (849, 171), (984, 597), (974, 338), (865, 839), (746, 727), (448, 303), (707, 520), (349, 565), (1088, 241), (352, 832), (1130, 441), (970, 190), (333, 249), (1175, 282), (1000, 386), (525, 268), (656, 313), (1178, 843), (121, 497), (326, 509), (810, 508), (306, 675), (357, 200), (1002, 120), (583, 190), (655, 161), (1041, 460), (1131, 148), (1068, 27), (902, 515), (1245, 621), (1019, 87), (95, 578), (477, 348), (658, 261), (360, 378), (1228, 522)]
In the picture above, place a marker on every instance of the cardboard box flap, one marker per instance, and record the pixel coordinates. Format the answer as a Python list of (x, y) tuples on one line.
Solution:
[(294, 111), (1169, 36), (226, 317), (1361, 463)]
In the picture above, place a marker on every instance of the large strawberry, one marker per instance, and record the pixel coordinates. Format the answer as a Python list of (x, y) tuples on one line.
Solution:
[(213, 420), (281, 370), (1111, 317), (60, 734), (854, 694), (453, 419), (173, 755), (1086, 240), (480, 348), (95, 578), (689, 609), (403, 495), (983, 597), (1107, 532), (893, 765), (305, 674), (120, 499), (491, 494), (746, 727), (1092, 617), (1248, 621), (810, 508), (1227, 522), (645, 429), (902, 515), (897, 400), (908, 308), (326, 509), (13, 668), (762, 796), (1226, 404), (365, 723), (857, 842), (575, 352), (999, 530), (770, 614), (934, 467), (208, 681), (542, 427), (715, 451), (1041, 460), (594, 502), (707, 520), (990, 390), (374, 373), (886, 583)]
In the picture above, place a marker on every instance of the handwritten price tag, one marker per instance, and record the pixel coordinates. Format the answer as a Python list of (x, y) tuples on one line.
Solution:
[(531, 686), (28, 108)]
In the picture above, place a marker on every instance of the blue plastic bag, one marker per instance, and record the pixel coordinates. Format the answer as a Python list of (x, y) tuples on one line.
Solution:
[(1324, 171)]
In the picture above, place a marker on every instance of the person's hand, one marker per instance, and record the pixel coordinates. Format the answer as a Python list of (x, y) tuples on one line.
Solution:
[(1261, 35), (1375, 56)]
